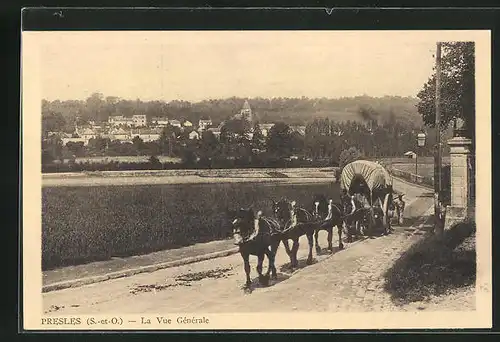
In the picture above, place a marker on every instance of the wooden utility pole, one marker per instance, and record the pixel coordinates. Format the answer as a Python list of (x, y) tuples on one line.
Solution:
[(170, 144), (438, 227)]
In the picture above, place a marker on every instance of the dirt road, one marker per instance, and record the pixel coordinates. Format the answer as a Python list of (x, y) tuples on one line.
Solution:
[(350, 279)]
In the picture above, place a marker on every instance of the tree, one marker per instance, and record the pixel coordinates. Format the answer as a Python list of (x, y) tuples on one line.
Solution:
[(152, 147), (98, 145), (95, 106), (237, 129), (258, 139), (320, 139), (349, 155), (139, 145), (278, 140), (168, 139), (209, 143), (76, 148), (296, 143), (457, 88), (51, 149), (189, 157), (52, 122)]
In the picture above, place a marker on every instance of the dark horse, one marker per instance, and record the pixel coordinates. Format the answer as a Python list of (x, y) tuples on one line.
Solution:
[(255, 235), (354, 216), (361, 220), (331, 215), (295, 222)]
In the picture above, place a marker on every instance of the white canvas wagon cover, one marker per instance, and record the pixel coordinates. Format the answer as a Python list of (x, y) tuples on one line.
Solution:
[(375, 175)]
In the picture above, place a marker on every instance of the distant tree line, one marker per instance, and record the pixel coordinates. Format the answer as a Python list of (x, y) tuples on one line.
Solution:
[(292, 111)]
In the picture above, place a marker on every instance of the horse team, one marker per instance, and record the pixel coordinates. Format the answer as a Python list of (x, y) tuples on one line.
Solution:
[(260, 235)]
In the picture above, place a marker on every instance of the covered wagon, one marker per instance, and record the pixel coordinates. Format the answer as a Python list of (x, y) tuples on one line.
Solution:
[(374, 183)]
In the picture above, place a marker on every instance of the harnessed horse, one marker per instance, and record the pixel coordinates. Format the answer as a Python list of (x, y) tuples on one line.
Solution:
[(255, 235), (354, 216), (295, 222), (360, 217), (331, 215)]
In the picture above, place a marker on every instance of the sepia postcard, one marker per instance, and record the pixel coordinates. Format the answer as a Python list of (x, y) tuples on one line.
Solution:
[(220, 180)]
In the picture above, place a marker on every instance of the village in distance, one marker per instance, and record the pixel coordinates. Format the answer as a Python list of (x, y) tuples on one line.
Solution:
[(115, 134)]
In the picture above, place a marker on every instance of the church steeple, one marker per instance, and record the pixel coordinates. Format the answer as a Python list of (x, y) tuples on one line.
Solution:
[(246, 111)]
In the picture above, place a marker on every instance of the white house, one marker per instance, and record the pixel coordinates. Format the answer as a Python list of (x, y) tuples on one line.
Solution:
[(75, 140), (175, 123), (117, 120), (410, 154), (161, 121), (147, 135), (87, 133), (204, 124), (119, 134), (139, 120), (194, 135)]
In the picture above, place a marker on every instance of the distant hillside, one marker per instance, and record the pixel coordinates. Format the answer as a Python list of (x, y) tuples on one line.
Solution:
[(290, 110)]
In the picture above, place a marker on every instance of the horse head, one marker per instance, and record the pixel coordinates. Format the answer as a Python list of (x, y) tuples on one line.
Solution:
[(316, 209), (320, 207), (282, 210), (242, 223)]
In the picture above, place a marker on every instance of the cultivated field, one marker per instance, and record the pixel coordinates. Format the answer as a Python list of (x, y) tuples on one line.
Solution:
[(126, 159), (185, 176), (87, 223)]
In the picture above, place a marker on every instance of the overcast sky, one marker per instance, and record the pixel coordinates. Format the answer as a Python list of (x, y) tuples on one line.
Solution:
[(200, 65)]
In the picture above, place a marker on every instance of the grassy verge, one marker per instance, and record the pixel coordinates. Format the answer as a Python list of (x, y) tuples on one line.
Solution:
[(431, 267)]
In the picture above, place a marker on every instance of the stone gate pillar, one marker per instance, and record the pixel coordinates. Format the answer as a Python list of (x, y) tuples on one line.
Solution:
[(460, 178)]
